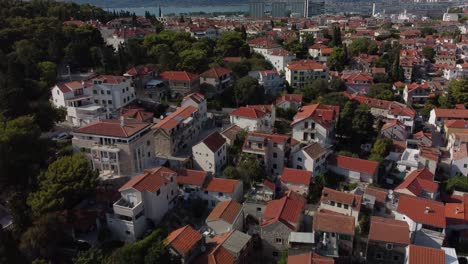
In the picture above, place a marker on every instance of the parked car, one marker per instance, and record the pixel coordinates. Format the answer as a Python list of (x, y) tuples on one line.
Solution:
[(62, 136)]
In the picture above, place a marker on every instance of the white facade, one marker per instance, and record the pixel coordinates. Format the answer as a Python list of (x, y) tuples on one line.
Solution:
[(459, 167), (214, 197), (302, 161), (131, 211), (279, 61), (76, 97), (209, 160), (307, 131), (113, 95)]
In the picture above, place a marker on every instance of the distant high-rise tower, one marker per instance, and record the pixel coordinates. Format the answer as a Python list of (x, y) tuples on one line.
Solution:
[(373, 10), (298, 7), (159, 12), (257, 8), (314, 8), (278, 9)]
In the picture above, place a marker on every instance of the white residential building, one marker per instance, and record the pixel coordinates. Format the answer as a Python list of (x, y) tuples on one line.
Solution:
[(315, 123), (312, 158), (76, 98), (439, 115), (279, 58), (225, 217), (217, 190), (303, 72), (270, 80), (210, 154), (254, 117), (148, 196), (112, 92)]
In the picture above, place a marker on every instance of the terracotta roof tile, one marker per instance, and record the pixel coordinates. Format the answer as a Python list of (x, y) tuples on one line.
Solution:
[(418, 181), (335, 223), (320, 113), (183, 239), (389, 230), (178, 76), (315, 150), (425, 255), (341, 197), (309, 65), (113, 128), (309, 258), (287, 210), (191, 177), (289, 98), (151, 180), (226, 210), (295, 176), (422, 210), (216, 72), (354, 164), (221, 185), (451, 113), (175, 118)]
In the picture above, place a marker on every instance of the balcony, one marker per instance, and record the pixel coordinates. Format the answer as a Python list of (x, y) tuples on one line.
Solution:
[(125, 208)]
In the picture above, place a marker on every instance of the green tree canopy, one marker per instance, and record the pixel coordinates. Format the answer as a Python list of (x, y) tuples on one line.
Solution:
[(248, 91), (459, 90), (231, 44), (315, 89), (381, 149), (66, 181), (363, 45), (429, 53), (381, 91), (338, 59)]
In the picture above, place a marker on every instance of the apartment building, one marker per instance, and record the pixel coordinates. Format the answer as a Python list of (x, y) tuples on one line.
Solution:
[(116, 148), (341, 203), (146, 197), (77, 98), (315, 123), (303, 72), (219, 78), (312, 157), (254, 117), (210, 154), (180, 128), (112, 92), (273, 151), (181, 82)]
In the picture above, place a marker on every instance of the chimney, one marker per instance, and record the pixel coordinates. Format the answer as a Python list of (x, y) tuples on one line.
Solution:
[(427, 210), (122, 121), (457, 210)]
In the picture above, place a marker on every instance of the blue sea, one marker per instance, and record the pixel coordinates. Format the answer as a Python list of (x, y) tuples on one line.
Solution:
[(139, 11)]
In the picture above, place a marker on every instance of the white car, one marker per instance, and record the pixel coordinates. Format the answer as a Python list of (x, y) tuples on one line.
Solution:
[(62, 136)]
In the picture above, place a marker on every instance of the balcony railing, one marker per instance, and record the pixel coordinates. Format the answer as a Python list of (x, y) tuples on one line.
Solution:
[(124, 207)]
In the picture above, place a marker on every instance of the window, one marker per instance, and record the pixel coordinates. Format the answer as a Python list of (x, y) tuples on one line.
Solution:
[(259, 209), (378, 255), (299, 159), (108, 92), (338, 205), (148, 143), (109, 101), (149, 154), (94, 92), (279, 240), (102, 92), (127, 232), (275, 155), (206, 192), (332, 203), (213, 203), (158, 192), (275, 145), (345, 206), (299, 167), (220, 194), (275, 254), (465, 165), (396, 258), (172, 192), (275, 166), (389, 246)]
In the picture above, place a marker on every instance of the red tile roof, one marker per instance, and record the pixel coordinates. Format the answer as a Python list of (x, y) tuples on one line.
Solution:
[(221, 185), (456, 123), (353, 164), (295, 176), (418, 181), (197, 97), (113, 128), (425, 255), (335, 223), (226, 210), (137, 113), (289, 98), (429, 153), (303, 65), (151, 180), (175, 118), (287, 210), (393, 122), (456, 213), (252, 111), (214, 141), (178, 76), (451, 113), (309, 258), (341, 197), (380, 194), (191, 177), (216, 72), (183, 239), (111, 79), (422, 210), (70, 86), (320, 113), (389, 230)]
